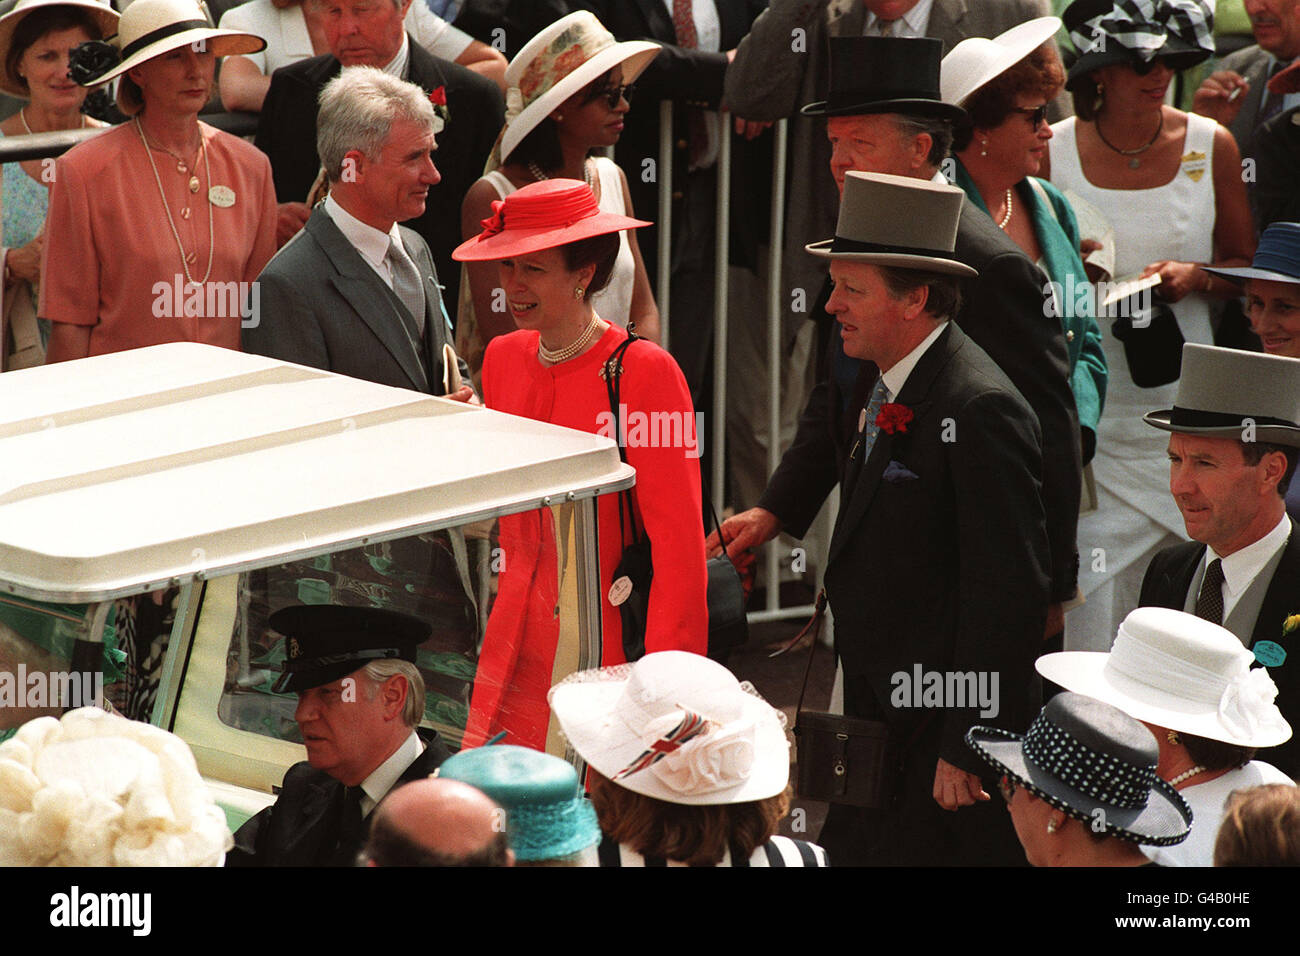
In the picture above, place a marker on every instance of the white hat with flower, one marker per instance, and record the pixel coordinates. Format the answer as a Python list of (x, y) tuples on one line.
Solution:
[(677, 727)]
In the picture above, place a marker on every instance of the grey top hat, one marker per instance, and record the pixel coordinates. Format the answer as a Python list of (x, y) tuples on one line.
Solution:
[(897, 221), (1222, 391)]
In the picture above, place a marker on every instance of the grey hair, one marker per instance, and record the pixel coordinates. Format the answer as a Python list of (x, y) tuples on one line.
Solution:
[(380, 671), (357, 110), (938, 129)]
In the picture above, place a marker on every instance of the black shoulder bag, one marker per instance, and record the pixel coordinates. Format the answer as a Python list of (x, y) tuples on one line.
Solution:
[(728, 627)]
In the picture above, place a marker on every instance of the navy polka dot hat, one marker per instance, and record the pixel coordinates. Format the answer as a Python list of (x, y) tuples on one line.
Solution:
[(1094, 762)]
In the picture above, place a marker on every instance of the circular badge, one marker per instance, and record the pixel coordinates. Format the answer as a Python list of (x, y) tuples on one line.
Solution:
[(1269, 653), (222, 196), (619, 590)]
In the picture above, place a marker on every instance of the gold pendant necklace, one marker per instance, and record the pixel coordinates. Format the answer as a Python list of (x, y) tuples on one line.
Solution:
[(194, 187)]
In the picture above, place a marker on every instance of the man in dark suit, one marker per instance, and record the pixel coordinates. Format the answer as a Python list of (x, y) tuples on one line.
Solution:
[(355, 293), (1236, 94), (1228, 474), (886, 90), (937, 571), (371, 34), (360, 700)]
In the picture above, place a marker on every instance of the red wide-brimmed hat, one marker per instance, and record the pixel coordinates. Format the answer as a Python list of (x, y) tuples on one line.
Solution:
[(541, 216)]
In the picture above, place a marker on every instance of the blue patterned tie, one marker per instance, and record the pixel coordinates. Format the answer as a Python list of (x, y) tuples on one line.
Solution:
[(867, 427)]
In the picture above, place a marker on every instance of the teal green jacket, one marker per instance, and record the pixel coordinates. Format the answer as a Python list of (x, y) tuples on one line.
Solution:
[(1058, 237)]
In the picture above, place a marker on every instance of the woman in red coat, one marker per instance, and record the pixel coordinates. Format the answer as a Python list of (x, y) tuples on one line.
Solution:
[(555, 249)]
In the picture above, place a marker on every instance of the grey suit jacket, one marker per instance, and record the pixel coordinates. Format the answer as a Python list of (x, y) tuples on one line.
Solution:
[(783, 64), (323, 305)]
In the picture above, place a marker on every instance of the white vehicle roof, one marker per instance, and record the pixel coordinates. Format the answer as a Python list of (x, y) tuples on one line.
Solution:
[(124, 473)]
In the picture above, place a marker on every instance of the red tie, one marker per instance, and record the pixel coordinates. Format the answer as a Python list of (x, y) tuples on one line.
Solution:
[(688, 37)]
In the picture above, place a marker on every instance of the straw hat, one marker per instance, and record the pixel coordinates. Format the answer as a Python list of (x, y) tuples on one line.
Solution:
[(897, 221), (1094, 762), (1178, 671), (148, 29), (677, 727), (10, 82), (541, 216), (1220, 389), (975, 61), (547, 815), (557, 63)]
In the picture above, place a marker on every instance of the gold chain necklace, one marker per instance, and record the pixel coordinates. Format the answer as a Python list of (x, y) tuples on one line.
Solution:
[(194, 181)]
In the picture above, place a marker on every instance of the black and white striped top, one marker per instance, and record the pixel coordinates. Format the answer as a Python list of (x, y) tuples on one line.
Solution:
[(778, 851)]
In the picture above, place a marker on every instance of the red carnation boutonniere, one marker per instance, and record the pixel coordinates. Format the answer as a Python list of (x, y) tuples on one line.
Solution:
[(893, 418), (438, 97)]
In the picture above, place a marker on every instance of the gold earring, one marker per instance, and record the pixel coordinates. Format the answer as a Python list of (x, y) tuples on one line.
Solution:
[(1051, 825), (1096, 106), (579, 292), (1172, 737), (558, 118), (984, 147)]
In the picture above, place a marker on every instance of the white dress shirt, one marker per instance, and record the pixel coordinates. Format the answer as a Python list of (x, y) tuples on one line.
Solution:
[(376, 786), (1242, 567), (367, 240), (913, 23), (897, 376)]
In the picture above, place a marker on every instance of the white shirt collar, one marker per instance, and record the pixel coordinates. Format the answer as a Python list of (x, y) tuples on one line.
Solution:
[(1241, 567), (397, 66), (382, 778), (917, 21), (366, 239), (896, 377)]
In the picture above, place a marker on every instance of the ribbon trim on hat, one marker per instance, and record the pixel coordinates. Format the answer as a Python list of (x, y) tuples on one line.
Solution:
[(1144, 27), (568, 51), (1100, 776), (690, 726), (497, 221), (1246, 706)]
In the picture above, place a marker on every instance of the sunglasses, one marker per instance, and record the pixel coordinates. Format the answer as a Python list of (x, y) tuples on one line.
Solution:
[(611, 95), (1142, 67), (1036, 115), (1008, 787)]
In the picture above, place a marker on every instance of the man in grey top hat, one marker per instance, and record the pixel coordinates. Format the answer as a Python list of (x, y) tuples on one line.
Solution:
[(937, 571), (1233, 447), (360, 702)]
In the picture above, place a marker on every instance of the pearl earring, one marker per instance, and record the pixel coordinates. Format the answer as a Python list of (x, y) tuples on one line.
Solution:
[(1051, 826), (579, 292), (984, 147)]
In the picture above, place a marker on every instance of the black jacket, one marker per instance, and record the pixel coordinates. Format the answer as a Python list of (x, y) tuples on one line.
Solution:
[(286, 132)]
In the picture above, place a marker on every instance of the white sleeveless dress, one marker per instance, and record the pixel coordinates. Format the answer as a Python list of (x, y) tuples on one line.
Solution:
[(614, 302), (1136, 515)]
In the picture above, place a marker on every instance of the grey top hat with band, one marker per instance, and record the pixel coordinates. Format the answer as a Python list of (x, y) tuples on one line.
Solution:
[(324, 642), (1222, 392), (884, 75), (1277, 257), (897, 221), (1095, 763)]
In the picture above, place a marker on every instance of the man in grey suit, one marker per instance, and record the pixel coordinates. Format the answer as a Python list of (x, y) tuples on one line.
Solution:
[(354, 292), (1236, 94)]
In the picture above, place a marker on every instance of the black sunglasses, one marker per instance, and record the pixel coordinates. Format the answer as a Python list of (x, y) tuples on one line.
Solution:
[(611, 95), (1143, 67), (1035, 114)]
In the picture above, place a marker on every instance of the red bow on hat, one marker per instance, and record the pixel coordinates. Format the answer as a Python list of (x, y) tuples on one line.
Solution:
[(497, 221)]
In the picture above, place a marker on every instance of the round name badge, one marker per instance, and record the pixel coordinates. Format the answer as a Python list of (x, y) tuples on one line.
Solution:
[(619, 590), (1269, 653), (222, 196)]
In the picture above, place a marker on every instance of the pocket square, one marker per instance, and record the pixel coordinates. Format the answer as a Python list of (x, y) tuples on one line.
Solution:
[(896, 471)]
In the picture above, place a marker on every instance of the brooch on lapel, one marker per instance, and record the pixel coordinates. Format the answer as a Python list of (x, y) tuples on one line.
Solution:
[(1271, 653), (893, 418), (896, 473)]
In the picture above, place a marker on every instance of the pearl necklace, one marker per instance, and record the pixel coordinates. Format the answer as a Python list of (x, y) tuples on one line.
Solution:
[(1007, 218), (1186, 775), (571, 350), (22, 115), (207, 171), (539, 175)]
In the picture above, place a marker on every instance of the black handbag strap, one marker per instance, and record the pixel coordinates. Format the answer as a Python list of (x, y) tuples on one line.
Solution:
[(613, 388), (814, 626)]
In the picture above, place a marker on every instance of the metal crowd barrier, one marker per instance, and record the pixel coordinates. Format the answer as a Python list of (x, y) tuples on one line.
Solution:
[(775, 302), (17, 149)]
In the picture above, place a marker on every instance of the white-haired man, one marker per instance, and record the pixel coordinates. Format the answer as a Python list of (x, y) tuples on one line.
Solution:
[(354, 292), (360, 700)]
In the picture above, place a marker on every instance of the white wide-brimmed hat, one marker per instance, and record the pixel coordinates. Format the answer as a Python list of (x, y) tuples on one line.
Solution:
[(557, 63), (677, 727), (150, 28), (1224, 393), (976, 60), (1180, 672), (897, 221), (12, 84)]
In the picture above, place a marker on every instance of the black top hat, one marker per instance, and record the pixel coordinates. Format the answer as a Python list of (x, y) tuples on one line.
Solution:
[(884, 75), (1083, 756), (1107, 32), (324, 642)]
